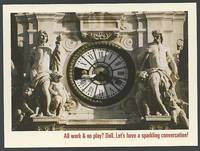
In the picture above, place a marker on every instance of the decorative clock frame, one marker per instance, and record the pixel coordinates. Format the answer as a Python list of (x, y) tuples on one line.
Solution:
[(114, 82)]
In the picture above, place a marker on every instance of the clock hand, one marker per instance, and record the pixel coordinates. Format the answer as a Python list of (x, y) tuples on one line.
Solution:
[(85, 76)]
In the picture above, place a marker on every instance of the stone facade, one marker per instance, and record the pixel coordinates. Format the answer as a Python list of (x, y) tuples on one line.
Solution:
[(131, 31)]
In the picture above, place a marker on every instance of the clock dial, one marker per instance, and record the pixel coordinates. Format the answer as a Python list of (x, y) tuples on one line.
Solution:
[(121, 73), (111, 89), (110, 56), (82, 83), (119, 83), (90, 56), (100, 74), (100, 92), (82, 63), (119, 62), (90, 90), (100, 54)]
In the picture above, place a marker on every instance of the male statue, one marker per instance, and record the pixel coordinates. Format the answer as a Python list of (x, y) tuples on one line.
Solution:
[(163, 71), (40, 71)]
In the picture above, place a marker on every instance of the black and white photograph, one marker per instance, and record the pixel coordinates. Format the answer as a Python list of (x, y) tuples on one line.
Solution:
[(102, 71)]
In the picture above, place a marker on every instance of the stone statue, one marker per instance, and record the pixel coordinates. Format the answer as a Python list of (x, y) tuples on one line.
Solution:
[(40, 71), (59, 94), (123, 22), (159, 59), (29, 107), (180, 45), (160, 77), (30, 104), (176, 110), (142, 94), (179, 58)]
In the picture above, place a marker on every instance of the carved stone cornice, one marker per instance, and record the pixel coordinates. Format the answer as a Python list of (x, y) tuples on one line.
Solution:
[(158, 15), (21, 18), (49, 16), (165, 15), (99, 16), (179, 16)]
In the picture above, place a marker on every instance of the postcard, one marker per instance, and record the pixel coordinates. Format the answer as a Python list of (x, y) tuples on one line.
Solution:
[(100, 75)]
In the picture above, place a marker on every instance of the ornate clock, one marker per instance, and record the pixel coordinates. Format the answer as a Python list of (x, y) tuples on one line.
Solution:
[(100, 73)]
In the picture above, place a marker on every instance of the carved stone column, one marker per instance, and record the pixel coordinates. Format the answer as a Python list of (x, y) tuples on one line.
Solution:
[(32, 28), (22, 25), (22, 37), (141, 29)]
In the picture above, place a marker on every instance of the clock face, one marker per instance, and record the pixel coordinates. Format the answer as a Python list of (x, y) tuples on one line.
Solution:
[(100, 74)]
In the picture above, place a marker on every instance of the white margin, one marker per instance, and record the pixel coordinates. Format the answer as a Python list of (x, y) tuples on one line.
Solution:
[(55, 138)]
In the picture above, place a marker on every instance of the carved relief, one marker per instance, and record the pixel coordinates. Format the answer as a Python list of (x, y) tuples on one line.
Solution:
[(99, 36), (70, 44), (123, 21), (70, 105), (127, 42)]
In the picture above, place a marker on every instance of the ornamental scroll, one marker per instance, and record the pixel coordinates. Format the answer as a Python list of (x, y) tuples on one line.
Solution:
[(99, 36)]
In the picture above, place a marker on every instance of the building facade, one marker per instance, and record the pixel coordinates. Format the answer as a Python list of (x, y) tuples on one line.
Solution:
[(127, 33)]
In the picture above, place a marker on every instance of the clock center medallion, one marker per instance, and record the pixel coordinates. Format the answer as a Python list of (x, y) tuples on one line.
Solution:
[(103, 74)]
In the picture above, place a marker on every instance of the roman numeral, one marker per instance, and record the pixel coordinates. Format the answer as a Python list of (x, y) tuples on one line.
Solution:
[(90, 56)]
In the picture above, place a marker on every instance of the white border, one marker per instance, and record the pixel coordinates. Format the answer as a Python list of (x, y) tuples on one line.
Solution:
[(55, 138)]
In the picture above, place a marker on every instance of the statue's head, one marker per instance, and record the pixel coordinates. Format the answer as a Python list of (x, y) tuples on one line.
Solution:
[(28, 91), (180, 44), (42, 37), (157, 35)]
